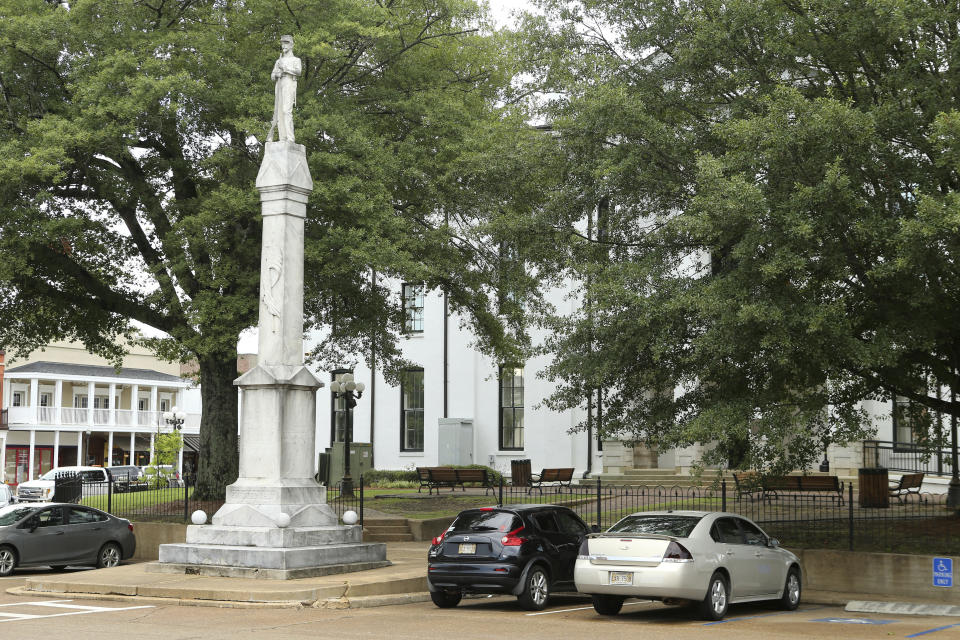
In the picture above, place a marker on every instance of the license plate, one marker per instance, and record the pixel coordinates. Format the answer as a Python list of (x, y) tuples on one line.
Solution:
[(621, 577), (467, 547)]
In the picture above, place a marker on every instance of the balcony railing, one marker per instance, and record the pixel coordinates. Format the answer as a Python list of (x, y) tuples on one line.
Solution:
[(98, 418), (907, 457)]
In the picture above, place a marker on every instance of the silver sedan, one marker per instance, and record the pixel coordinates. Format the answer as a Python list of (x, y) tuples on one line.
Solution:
[(58, 535), (694, 557)]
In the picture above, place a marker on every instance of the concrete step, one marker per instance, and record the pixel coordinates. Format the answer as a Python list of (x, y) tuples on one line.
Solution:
[(387, 537), (383, 529)]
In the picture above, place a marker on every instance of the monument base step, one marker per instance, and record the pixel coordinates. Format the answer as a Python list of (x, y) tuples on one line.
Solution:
[(273, 559), (219, 571)]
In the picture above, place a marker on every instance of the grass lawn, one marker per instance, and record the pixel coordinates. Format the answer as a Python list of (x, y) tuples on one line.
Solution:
[(153, 500)]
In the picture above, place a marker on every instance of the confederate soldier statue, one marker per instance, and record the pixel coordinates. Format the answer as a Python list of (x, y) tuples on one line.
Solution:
[(284, 74)]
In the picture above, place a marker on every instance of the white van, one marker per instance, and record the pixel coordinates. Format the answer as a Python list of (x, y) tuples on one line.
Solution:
[(41, 489)]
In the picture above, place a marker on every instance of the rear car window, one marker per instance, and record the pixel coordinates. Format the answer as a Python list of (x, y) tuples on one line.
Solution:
[(665, 525), (485, 521)]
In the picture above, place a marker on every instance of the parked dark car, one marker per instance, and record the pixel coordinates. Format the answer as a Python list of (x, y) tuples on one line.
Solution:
[(525, 550), (58, 535), (126, 478)]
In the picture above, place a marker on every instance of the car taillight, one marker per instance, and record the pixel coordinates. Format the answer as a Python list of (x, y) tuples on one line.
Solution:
[(130, 526), (512, 539), (584, 549), (676, 553), (438, 539)]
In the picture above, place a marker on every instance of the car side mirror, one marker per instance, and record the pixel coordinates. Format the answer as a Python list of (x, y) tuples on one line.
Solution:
[(773, 543), (594, 528)]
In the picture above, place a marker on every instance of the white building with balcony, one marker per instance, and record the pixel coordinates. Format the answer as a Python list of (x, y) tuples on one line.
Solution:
[(65, 406)]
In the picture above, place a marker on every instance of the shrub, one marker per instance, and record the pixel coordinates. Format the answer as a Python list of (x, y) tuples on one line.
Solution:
[(381, 477)]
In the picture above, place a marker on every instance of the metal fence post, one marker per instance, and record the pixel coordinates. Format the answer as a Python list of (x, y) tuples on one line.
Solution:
[(850, 511), (723, 495), (599, 500), (109, 492), (186, 501), (500, 498), (361, 500)]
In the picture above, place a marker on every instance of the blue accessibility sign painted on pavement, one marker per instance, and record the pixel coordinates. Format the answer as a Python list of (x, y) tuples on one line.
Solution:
[(943, 572), (854, 620)]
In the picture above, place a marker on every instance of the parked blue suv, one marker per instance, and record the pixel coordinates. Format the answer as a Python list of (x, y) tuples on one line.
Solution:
[(526, 550)]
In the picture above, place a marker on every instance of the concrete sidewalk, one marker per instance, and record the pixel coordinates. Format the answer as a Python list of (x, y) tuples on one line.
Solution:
[(404, 581)]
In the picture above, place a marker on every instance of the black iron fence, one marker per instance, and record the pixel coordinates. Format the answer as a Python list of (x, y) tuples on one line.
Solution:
[(907, 457), (919, 524)]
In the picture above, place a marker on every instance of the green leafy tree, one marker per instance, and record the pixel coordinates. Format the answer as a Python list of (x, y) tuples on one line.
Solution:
[(130, 138), (780, 181), (163, 465)]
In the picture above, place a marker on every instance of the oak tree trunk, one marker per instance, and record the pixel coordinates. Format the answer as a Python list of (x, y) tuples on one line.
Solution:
[(219, 453)]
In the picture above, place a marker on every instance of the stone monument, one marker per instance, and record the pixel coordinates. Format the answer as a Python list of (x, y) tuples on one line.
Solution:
[(276, 522)]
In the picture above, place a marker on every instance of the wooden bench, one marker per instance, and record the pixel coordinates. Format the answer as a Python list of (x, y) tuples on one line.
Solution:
[(907, 484), (563, 477), (774, 486), (747, 483), (437, 477)]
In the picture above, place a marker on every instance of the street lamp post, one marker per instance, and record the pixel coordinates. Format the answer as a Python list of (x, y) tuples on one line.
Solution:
[(174, 418), (349, 390)]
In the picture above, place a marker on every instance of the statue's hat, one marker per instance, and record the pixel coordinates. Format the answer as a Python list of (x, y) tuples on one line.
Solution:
[(286, 39)]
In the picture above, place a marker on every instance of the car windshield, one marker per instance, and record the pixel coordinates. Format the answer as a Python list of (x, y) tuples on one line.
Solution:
[(14, 513), (485, 521), (665, 525)]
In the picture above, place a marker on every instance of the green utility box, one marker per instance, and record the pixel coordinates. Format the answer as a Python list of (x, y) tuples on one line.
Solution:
[(330, 462)]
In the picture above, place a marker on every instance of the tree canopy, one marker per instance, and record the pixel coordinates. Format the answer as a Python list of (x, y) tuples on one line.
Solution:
[(130, 137), (773, 192)]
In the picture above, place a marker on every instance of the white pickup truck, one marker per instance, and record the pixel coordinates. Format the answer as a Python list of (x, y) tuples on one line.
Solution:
[(42, 489)]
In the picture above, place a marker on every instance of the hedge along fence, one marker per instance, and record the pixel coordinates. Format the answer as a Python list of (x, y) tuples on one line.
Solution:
[(393, 478)]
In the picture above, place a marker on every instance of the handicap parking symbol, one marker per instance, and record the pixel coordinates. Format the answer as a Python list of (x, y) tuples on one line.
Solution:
[(943, 572)]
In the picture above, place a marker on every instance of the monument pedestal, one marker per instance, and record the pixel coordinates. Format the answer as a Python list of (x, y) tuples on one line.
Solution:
[(276, 522)]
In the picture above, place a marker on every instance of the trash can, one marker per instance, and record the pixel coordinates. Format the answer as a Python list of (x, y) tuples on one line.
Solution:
[(874, 488), (520, 472)]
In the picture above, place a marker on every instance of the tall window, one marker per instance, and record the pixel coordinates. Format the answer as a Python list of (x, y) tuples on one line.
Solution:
[(413, 308), (17, 399), (511, 408), (338, 410), (411, 410), (911, 422)]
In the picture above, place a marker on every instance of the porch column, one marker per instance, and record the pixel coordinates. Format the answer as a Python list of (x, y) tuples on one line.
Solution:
[(109, 448), (56, 448), (112, 404), (180, 462), (133, 450), (151, 447), (154, 418), (58, 402), (3, 457), (135, 403), (81, 460), (33, 443), (35, 401), (90, 397)]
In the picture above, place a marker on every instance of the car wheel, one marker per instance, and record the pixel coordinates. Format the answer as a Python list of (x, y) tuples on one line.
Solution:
[(714, 605), (109, 556), (446, 599), (607, 605), (536, 590), (8, 560), (791, 590)]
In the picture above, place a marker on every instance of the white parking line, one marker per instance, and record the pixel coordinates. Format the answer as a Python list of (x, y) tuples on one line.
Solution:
[(544, 613), (76, 610)]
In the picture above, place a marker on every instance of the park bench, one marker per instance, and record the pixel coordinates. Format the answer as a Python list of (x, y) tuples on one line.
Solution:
[(747, 483), (437, 477), (562, 477), (775, 486), (907, 484)]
